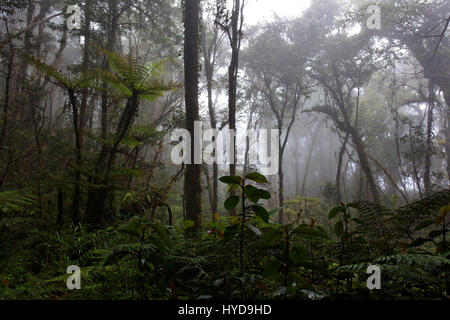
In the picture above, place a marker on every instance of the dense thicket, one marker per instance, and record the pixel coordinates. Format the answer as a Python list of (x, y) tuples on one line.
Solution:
[(87, 175)]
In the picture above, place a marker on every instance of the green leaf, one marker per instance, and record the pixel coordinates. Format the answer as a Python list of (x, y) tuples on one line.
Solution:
[(231, 202), (436, 233), (271, 268), (357, 220), (339, 228), (298, 254), (273, 211), (423, 225), (254, 194), (231, 180), (334, 212), (230, 232), (261, 212), (353, 205), (418, 242), (272, 237), (256, 177), (188, 224), (160, 235), (306, 232), (133, 227)]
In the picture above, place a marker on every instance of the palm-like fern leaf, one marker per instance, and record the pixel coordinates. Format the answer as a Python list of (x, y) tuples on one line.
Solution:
[(48, 70)]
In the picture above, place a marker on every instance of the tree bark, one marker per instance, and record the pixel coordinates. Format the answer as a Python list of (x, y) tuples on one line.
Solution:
[(193, 193), (429, 141), (209, 53), (364, 163), (308, 160), (339, 169), (235, 41)]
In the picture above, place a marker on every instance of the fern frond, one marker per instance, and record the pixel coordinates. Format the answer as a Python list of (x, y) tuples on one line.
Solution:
[(15, 200), (48, 70)]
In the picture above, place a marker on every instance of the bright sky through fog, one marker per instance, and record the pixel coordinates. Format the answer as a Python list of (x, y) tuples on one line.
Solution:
[(262, 10)]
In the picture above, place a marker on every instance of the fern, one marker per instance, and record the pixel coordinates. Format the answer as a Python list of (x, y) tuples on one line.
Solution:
[(411, 214), (15, 200), (130, 77), (400, 261), (66, 81), (378, 222)]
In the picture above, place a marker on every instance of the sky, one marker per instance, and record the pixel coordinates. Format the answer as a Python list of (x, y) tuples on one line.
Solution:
[(262, 10)]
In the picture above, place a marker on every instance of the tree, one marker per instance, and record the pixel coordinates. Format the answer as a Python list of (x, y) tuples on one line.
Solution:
[(232, 24), (73, 85), (193, 190), (272, 60), (421, 28), (210, 46), (133, 82), (341, 68)]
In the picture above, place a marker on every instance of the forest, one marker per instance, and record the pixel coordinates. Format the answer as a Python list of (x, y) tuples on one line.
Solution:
[(218, 150)]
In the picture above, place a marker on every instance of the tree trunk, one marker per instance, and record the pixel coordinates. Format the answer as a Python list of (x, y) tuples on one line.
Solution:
[(235, 39), (339, 169), (76, 190), (429, 140), (209, 72), (308, 160), (280, 186), (193, 175), (364, 163), (97, 194)]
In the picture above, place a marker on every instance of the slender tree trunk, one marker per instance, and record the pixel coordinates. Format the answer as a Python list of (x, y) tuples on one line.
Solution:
[(193, 193), (429, 140), (280, 185), (447, 145), (297, 175), (308, 160), (24, 115), (339, 169), (87, 42), (59, 218), (209, 72), (235, 38), (6, 102), (364, 163), (77, 191), (414, 163)]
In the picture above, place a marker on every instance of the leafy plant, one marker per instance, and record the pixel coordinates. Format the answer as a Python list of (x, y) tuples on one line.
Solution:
[(254, 209)]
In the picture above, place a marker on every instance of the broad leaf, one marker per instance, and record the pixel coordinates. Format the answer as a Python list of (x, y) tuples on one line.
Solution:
[(272, 237), (306, 232), (230, 232), (423, 225), (256, 177), (271, 268), (334, 212), (261, 212), (231, 180), (298, 254), (339, 228), (254, 194), (231, 202)]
